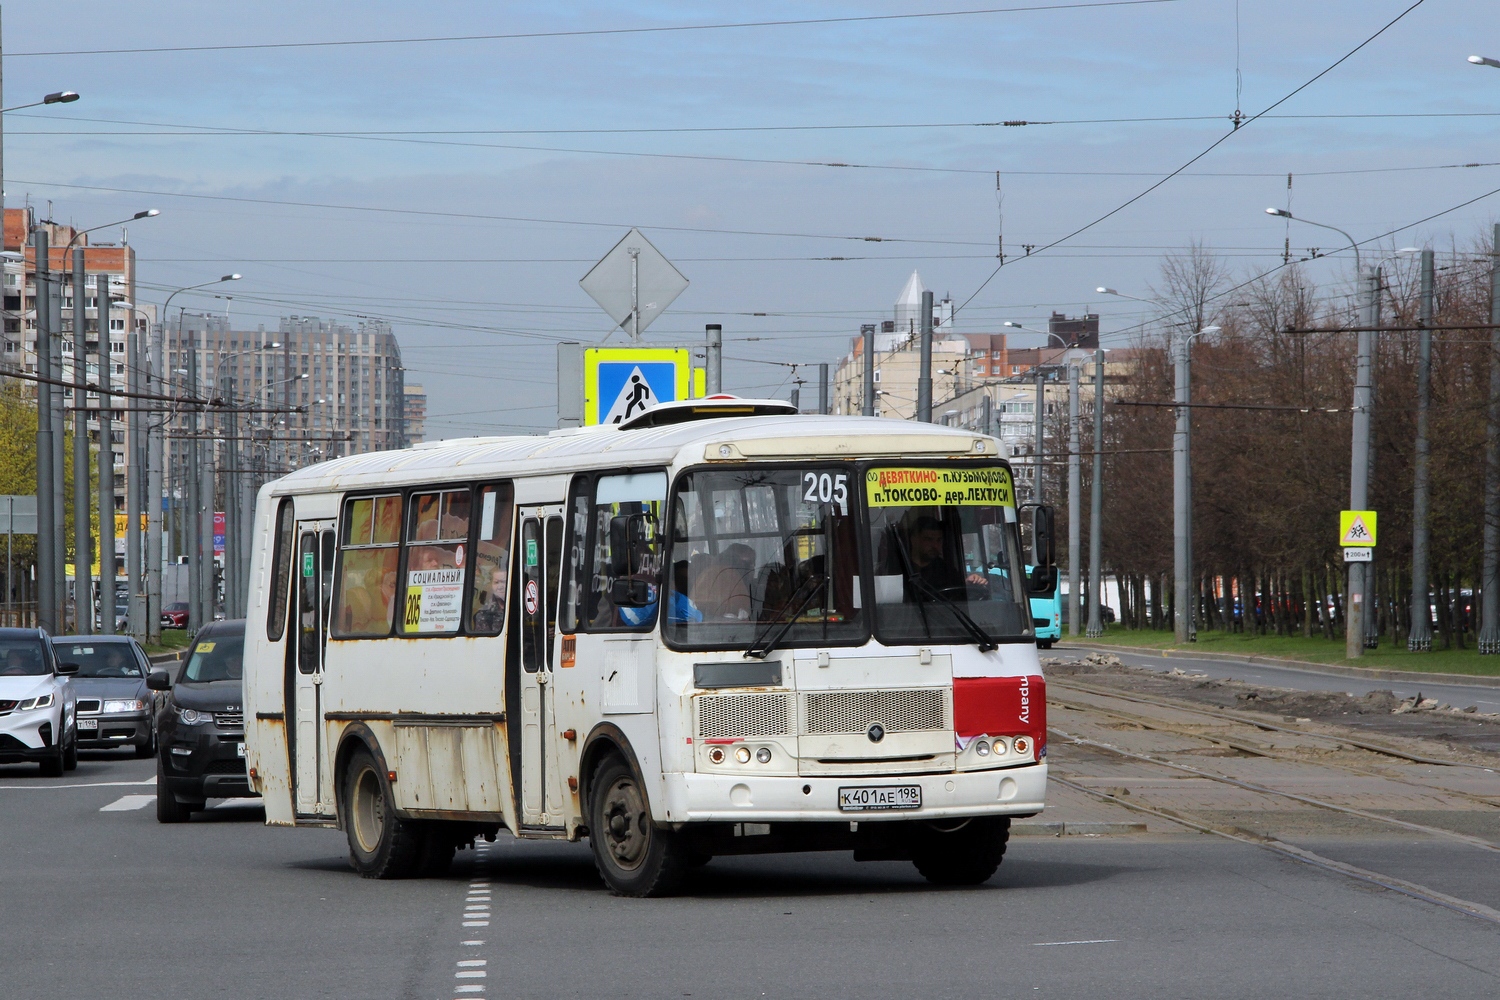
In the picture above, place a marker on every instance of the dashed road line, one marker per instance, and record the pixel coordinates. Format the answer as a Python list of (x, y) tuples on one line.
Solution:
[(467, 971), (125, 803), (1057, 944)]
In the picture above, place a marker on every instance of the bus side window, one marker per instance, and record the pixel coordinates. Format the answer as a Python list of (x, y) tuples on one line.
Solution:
[(576, 570), (626, 544), (281, 572), (491, 554), (368, 555)]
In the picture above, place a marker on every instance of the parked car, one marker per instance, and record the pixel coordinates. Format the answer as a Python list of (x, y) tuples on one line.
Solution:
[(37, 706), (175, 615), (114, 706), (201, 725)]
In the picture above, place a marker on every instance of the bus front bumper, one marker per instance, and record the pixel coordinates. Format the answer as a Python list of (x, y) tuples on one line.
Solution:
[(740, 798)]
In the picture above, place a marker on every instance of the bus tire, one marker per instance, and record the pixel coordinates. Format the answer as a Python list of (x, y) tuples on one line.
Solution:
[(381, 844), (437, 852), (635, 857), (966, 854), (1044, 644)]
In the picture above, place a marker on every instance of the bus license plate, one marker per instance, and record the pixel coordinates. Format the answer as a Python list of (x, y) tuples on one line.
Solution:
[(879, 798)]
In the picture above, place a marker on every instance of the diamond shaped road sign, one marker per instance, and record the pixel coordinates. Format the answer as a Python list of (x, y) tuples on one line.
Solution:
[(634, 272)]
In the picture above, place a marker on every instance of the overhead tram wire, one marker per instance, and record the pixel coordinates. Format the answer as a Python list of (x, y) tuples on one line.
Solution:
[(1210, 148), (481, 217), (595, 32)]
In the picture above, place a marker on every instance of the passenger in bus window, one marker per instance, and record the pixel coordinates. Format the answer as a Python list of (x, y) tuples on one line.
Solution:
[(490, 617)]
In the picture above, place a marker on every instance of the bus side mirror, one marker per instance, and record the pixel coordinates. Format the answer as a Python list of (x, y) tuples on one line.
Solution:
[(1043, 539), (627, 552)]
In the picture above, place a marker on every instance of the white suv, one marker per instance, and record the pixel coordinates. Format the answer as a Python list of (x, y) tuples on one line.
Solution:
[(38, 719)]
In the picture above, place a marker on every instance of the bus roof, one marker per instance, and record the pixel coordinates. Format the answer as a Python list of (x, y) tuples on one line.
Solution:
[(720, 439)]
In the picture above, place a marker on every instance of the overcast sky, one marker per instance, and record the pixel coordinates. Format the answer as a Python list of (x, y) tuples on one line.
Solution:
[(473, 247)]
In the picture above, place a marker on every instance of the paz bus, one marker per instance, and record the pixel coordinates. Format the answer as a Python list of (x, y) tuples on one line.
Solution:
[(717, 628)]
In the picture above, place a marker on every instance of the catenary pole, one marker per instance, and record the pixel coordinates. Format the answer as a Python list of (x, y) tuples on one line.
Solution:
[(869, 400), (713, 359), (155, 467), (83, 549), (107, 568), (1359, 459), (924, 374), (1096, 506), (1419, 638), (1075, 500), (192, 522), (1372, 619), (135, 474), (1182, 494), (823, 387), (1040, 449), (59, 455), (1489, 615), (47, 539)]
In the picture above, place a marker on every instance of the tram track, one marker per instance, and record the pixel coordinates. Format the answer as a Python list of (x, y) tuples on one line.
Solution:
[(1298, 854), (1334, 742)]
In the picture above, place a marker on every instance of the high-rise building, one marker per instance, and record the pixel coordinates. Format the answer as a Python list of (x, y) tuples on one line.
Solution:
[(898, 358), (415, 414), (116, 261)]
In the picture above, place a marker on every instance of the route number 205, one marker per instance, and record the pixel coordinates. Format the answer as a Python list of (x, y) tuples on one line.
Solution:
[(825, 487)]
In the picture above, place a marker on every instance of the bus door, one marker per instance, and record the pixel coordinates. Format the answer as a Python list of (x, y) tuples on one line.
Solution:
[(539, 555), (315, 558)]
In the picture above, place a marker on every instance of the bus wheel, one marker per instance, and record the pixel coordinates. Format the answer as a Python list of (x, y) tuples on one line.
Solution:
[(964, 854), (634, 856), (1044, 644), (381, 845)]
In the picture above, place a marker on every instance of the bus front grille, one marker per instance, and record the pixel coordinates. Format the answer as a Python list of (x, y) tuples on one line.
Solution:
[(742, 716), (832, 713)]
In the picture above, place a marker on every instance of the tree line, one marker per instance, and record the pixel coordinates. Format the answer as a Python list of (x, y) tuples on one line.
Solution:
[(1269, 483)]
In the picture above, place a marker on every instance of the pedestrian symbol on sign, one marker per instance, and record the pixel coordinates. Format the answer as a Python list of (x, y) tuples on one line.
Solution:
[(1357, 528), (635, 397)]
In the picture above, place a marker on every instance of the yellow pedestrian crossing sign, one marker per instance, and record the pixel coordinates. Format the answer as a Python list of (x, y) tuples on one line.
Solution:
[(1357, 528)]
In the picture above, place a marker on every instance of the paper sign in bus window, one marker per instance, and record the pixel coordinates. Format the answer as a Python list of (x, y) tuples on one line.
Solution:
[(433, 600), (951, 487)]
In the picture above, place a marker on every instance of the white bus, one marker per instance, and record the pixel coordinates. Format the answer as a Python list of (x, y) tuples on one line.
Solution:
[(719, 628)]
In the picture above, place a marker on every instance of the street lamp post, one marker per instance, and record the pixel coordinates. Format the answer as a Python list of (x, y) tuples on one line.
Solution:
[(1039, 448), (235, 524), (200, 610)]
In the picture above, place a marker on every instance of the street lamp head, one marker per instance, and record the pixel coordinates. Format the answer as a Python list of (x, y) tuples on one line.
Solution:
[(1106, 291), (61, 97), (1279, 212), (1484, 61), (1014, 326), (274, 345), (1410, 250), (1209, 329), (230, 277), (149, 213)]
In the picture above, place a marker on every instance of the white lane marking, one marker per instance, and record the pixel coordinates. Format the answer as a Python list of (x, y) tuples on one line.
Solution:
[(468, 989), (473, 963), (476, 923), (470, 974), (471, 944), (238, 803), (91, 784), (1053, 944), (125, 803)]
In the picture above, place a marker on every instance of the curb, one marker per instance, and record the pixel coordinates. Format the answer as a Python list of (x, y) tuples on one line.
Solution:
[(1372, 673), (1075, 829)]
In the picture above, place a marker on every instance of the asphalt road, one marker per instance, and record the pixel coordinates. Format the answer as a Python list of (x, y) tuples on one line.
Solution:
[(1304, 679), (100, 900)]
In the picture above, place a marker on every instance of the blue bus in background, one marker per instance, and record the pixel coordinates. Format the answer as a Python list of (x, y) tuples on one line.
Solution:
[(1044, 586)]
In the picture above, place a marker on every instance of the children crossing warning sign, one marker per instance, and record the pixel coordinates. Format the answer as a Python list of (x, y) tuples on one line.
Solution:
[(1357, 528)]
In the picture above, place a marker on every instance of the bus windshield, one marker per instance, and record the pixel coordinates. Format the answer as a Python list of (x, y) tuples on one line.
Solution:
[(774, 557), (945, 559), (754, 550)]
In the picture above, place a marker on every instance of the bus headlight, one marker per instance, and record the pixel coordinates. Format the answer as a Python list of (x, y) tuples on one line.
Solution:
[(982, 748), (763, 755), (742, 754), (1000, 746)]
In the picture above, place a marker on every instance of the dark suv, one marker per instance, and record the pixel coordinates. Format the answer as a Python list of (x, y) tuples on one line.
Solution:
[(201, 725)]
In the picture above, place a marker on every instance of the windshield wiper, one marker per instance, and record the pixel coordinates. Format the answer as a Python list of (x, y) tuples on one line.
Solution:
[(921, 586), (762, 646), (970, 626)]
